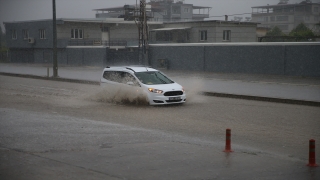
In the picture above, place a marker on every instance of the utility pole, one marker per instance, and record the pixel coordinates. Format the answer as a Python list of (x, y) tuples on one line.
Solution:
[(54, 27), (143, 34), (0, 37)]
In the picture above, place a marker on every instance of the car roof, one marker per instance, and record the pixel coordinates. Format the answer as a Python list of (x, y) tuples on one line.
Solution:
[(130, 68)]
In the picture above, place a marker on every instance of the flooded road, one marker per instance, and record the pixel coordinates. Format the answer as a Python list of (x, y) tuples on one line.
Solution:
[(61, 130), (260, 85)]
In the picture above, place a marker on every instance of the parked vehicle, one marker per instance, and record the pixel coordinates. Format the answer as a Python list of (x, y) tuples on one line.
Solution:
[(158, 88)]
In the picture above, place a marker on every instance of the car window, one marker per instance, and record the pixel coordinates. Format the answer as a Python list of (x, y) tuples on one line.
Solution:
[(153, 77), (127, 77), (120, 77), (114, 76)]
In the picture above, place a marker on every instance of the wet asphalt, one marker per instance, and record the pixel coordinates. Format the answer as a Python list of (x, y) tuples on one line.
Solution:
[(276, 88), (72, 144)]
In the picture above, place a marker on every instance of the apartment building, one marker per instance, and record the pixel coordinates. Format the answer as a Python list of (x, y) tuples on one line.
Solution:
[(287, 16), (158, 10)]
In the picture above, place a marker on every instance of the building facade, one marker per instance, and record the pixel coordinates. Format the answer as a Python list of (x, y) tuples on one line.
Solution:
[(214, 46), (158, 10), (204, 32), (98, 42), (287, 16), (32, 41)]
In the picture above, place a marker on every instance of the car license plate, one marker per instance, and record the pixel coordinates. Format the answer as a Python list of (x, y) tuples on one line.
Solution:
[(174, 98)]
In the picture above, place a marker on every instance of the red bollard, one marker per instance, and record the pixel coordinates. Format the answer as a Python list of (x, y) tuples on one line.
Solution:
[(312, 153), (228, 141)]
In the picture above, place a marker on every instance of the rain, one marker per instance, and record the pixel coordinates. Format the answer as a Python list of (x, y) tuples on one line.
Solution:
[(226, 102)]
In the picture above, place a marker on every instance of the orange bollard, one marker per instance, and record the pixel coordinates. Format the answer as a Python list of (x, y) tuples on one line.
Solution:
[(228, 141), (312, 153)]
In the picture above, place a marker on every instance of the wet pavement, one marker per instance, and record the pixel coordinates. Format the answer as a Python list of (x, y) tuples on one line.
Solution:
[(52, 146), (256, 85), (48, 130)]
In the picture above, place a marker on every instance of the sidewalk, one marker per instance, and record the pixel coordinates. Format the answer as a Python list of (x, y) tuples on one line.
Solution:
[(246, 86)]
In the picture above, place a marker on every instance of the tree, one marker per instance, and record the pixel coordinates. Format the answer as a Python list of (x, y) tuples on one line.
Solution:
[(274, 35), (302, 31), (275, 31)]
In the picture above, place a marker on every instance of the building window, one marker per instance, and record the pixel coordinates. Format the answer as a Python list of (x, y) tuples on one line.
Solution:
[(282, 18), (283, 27), (176, 10), (263, 19), (226, 35), (13, 34), (307, 18), (272, 18), (163, 36), (186, 10), (105, 29), (298, 18), (25, 34), (316, 9), (164, 12), (76, 34), (42, 33), (203, 35), (316, 18)]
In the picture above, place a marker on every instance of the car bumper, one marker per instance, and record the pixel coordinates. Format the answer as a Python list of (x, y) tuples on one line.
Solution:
[(160, 99)]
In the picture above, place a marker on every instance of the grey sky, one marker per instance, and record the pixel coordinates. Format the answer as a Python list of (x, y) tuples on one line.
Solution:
[(21, 10)]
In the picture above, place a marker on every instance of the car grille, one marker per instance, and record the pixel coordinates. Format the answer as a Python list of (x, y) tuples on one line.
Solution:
[(173, 93), (170, 101)]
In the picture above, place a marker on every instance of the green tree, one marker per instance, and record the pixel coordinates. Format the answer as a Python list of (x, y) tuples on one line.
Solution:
[(275, 31), (274, 35), (301, 31)]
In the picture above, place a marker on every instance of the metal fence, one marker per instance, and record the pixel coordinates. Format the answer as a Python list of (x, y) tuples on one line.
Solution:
[(288, 39), (4, 56)]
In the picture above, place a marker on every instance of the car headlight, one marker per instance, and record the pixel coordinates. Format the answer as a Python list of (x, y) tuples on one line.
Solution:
[(155, 90)]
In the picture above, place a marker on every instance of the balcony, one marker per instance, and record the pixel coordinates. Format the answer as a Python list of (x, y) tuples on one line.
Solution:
[(200, 16), (175, 15), (98, 42)]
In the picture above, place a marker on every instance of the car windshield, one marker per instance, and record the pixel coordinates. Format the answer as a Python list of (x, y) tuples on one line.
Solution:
[(153, 77)]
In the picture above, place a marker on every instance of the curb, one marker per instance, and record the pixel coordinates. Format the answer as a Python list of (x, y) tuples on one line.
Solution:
[(266, 99), (216, 94), (51, 78)]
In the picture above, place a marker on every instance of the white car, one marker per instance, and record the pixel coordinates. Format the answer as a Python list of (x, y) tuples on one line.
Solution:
[(157, 87)]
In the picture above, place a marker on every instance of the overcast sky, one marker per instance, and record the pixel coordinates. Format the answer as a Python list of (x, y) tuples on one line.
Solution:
[(21, 10)]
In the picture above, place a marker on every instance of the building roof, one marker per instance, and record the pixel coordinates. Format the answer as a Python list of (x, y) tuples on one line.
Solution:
[(213, 21), (170, 29), (118, 8), (121, 8), (91, 20), (286, 5), (201, 7)]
